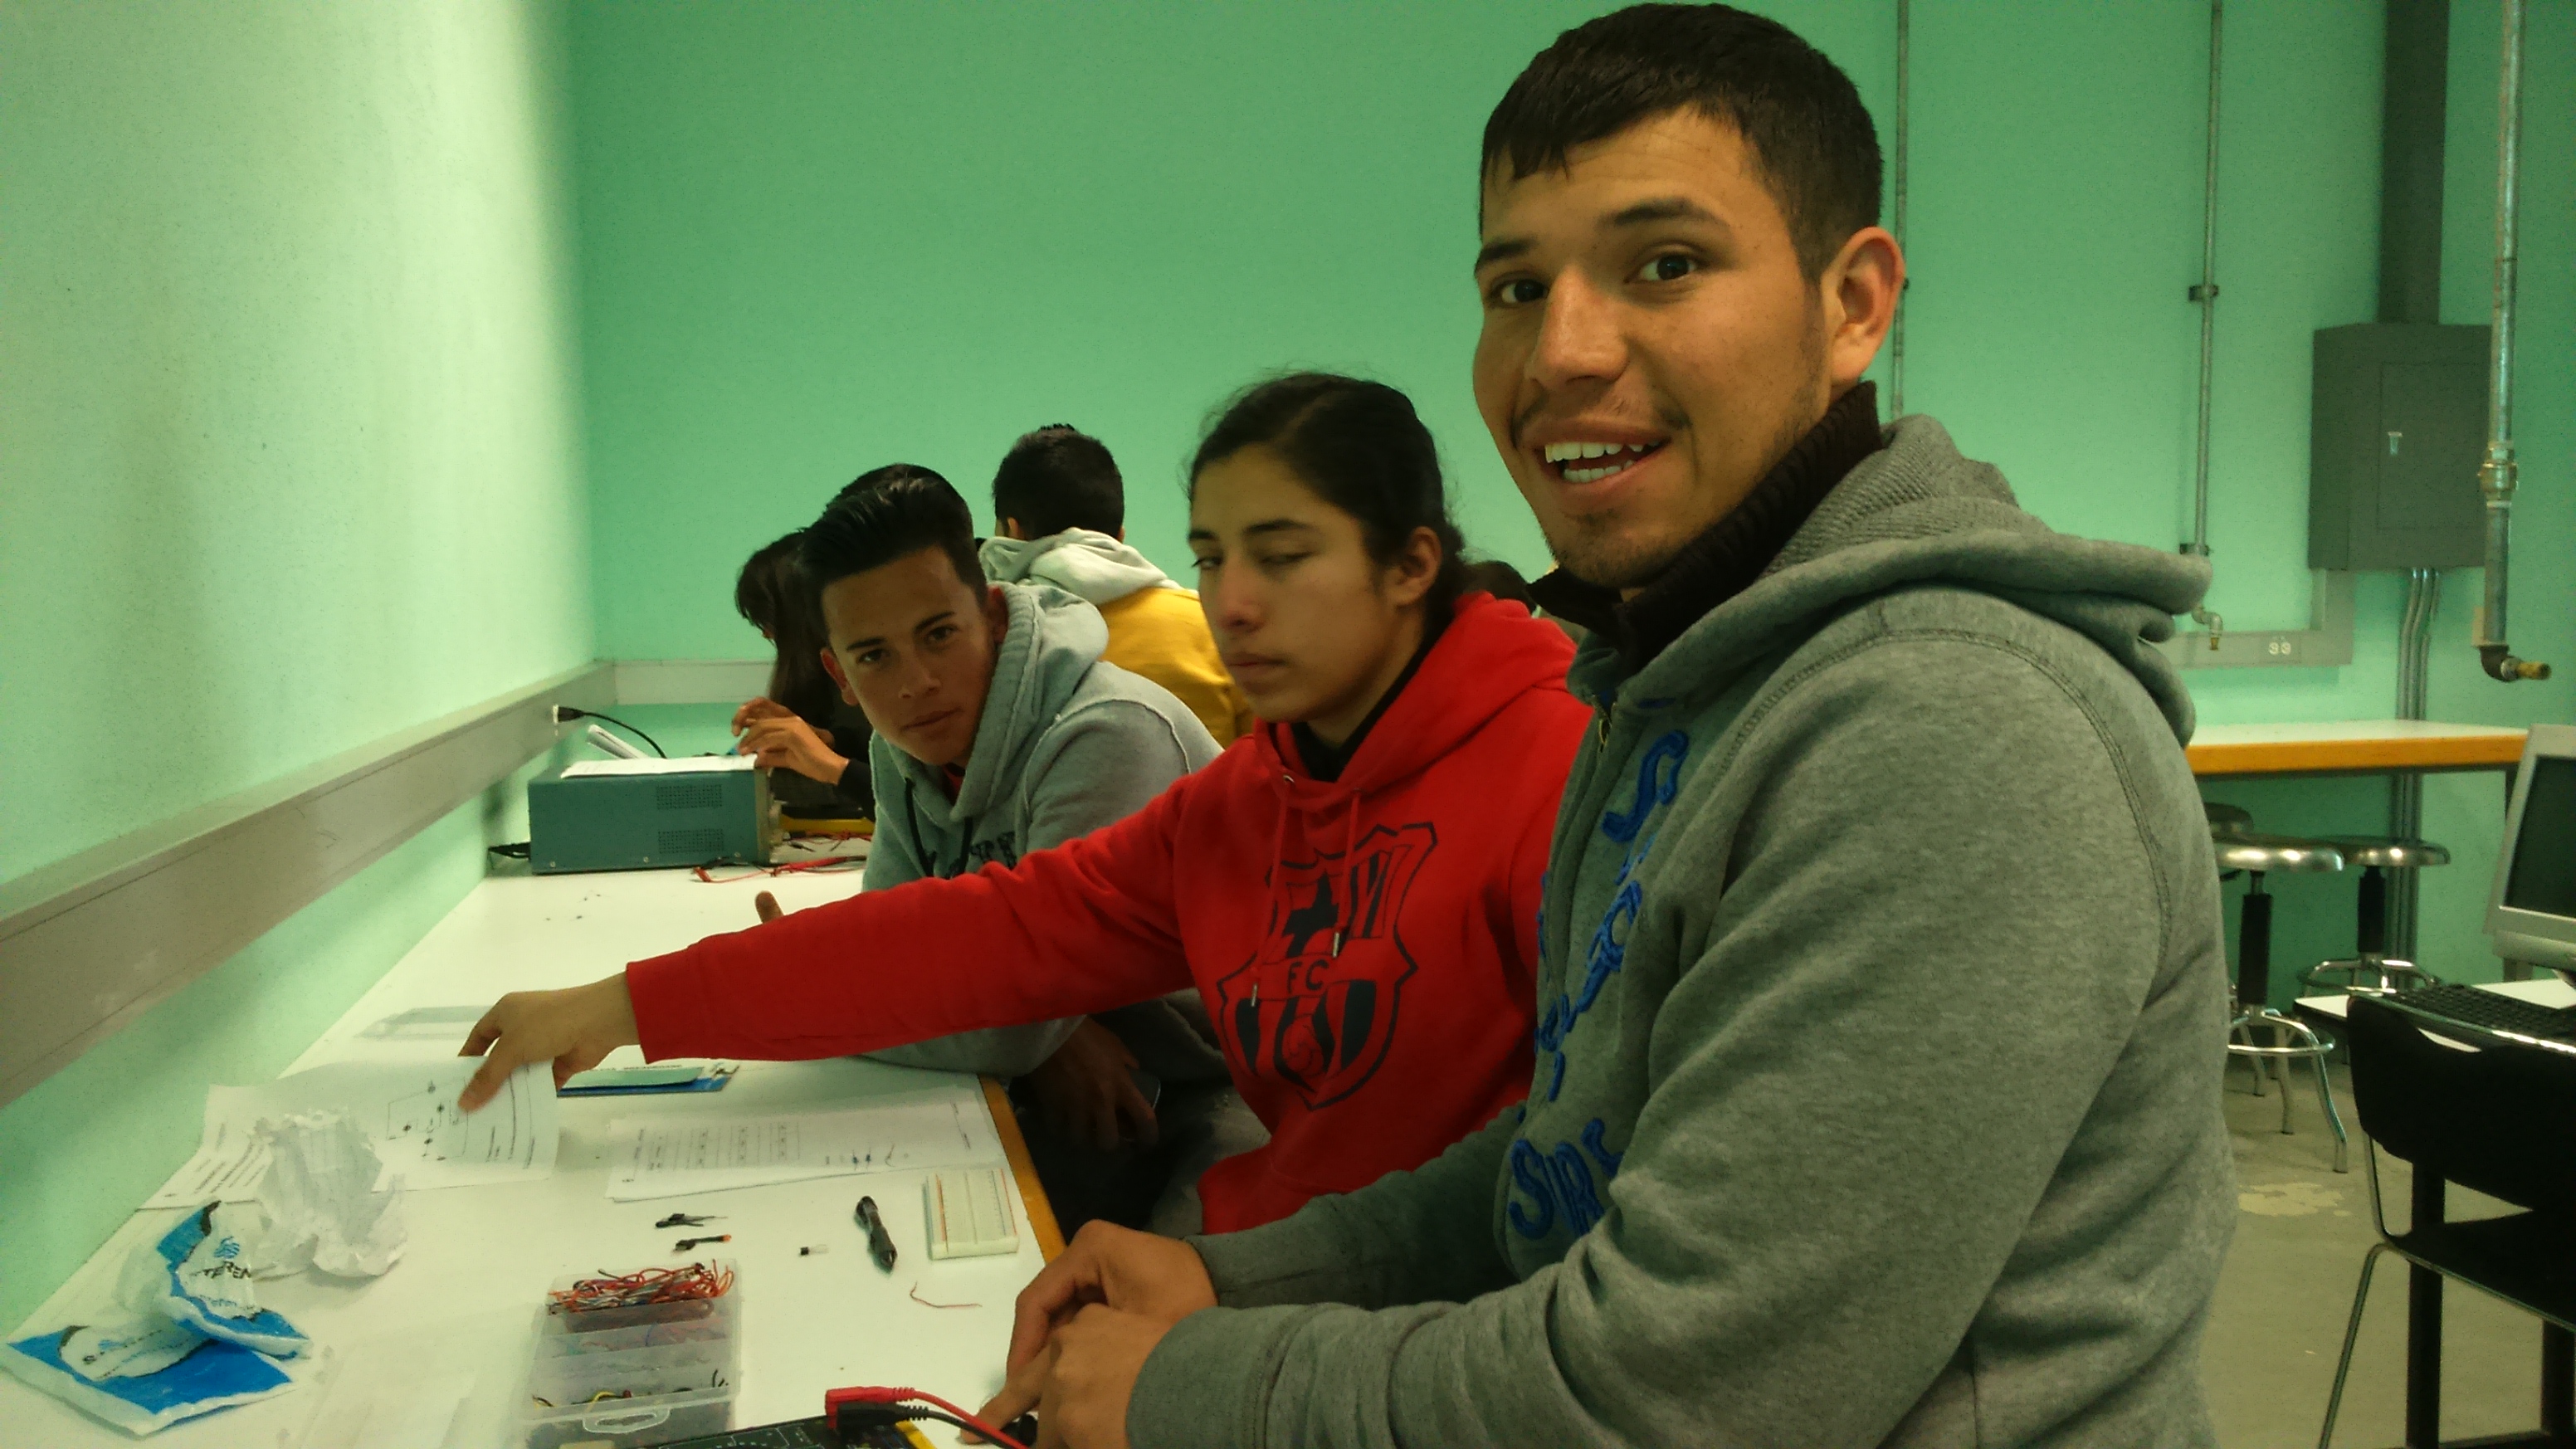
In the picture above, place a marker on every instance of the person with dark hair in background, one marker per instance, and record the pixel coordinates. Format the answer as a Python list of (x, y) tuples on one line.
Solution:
[(813, 743), (1503, 582), (1060, 514), (1877, 1084), (1353, 888)]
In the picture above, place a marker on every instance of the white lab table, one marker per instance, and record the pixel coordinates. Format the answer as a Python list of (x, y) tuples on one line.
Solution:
[(464, 1296)]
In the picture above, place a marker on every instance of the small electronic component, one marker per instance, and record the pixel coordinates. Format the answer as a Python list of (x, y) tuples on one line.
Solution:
[(968, 1213), (687, 1220), (686, 1244)]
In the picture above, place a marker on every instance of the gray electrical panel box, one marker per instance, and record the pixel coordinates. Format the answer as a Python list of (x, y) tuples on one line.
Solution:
[(674, 816), (2397, 432)]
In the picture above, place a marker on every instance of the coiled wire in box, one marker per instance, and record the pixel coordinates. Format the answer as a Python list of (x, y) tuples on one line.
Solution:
[(634, 1369)]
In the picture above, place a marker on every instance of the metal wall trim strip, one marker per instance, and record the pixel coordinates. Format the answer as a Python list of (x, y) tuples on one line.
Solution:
[(691, 681), (91, 942)]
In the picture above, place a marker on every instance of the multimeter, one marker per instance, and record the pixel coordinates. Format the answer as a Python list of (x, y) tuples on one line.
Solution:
[(814, 1433), (824, 1432)]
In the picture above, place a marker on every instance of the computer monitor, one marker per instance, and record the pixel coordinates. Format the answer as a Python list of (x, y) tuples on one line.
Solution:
[(2532, 915)]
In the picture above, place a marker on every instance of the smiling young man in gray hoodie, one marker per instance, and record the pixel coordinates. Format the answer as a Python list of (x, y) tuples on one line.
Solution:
[(1877, 1074)]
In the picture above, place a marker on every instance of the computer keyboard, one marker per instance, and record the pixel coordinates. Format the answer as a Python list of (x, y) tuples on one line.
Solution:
[(2493, 1010)]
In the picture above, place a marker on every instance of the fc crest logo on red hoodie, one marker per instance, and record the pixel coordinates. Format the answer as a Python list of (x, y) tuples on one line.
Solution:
[(1317, 1003)]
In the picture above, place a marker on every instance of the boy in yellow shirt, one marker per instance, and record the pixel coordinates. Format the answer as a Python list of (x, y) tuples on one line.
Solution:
[(1060, 512)]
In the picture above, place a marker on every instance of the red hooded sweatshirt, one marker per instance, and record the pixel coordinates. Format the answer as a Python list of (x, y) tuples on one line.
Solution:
[(1366, 947)]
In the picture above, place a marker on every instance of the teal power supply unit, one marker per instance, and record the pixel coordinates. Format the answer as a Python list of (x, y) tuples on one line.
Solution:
[(598, 820)]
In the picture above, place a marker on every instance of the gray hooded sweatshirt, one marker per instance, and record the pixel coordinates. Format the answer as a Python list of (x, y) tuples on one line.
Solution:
[(1081, 562), (1877, 1077), (1068, 743)]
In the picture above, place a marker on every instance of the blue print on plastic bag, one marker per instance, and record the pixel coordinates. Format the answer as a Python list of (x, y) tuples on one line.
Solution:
[(215, 1375), (196, 1255)]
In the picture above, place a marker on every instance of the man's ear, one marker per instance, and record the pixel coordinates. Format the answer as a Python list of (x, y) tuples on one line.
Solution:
[(1010, 529), (1122, 533), (1861, 289), (832, 667), (997, 611)]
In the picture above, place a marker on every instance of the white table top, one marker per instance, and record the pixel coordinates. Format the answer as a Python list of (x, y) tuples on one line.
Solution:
[(479, 1259), (2547, 991)]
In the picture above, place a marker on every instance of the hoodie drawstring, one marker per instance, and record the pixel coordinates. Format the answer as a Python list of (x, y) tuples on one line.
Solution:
[(1279, 865), (1279, 904), (1350, 884)]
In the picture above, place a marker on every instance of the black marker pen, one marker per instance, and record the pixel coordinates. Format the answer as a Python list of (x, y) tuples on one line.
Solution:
[(880, 1243)]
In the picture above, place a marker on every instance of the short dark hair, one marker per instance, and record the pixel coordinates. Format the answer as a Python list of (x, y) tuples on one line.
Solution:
[(886, 514), (1058, 478), (1502, 581), (1811, 138), (1363, 449)]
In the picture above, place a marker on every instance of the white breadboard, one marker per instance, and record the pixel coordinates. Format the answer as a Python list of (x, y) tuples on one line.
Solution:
[(968, 1212)]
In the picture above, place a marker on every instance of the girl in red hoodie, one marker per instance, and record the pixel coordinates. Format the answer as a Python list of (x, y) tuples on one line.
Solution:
[(1353, 887)]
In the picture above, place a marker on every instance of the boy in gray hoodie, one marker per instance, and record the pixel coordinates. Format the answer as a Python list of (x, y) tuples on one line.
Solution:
[(999, 728), (1876, 1094), (1059, 517)]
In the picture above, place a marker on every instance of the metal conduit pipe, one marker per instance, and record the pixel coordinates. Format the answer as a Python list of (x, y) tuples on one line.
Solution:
[(1896, 330), (2206, 294), (2496, 476), (2406, 789)]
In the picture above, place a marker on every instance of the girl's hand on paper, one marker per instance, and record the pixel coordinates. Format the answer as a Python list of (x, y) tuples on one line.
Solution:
[(573, 1028), (782, 741), (758, 709)]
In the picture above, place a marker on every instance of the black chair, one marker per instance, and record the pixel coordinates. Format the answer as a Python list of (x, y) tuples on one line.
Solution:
[(2500, 1119)]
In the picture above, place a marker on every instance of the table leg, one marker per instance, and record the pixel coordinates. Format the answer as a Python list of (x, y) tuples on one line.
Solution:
[(2558, 1384), (2424, 1325)]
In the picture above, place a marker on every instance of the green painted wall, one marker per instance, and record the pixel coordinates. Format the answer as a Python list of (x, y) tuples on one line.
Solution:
[(819, 237), (290, 435)]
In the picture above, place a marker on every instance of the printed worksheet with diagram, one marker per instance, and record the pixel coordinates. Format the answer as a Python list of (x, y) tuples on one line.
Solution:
[(671, 1156), (408, 1109)]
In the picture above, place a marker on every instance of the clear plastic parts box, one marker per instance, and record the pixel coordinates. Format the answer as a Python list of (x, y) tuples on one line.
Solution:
[(633, 1377)]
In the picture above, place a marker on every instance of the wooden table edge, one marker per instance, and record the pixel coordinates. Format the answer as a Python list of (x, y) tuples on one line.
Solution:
[(1024, 1171), (2298, 757)]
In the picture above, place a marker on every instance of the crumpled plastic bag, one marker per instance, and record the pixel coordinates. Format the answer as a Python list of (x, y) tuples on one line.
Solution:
[(208, 1263), (188, 1335), (321, 1200), (142, 1372)]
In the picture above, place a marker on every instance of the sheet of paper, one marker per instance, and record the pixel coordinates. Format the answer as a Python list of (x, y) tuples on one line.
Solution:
[(673, 1156), (408, 1109), (436, 1023), (685, 765)]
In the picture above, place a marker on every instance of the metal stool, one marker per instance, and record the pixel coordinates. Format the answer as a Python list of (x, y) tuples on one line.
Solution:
[(2371, 970), (2257, 856)]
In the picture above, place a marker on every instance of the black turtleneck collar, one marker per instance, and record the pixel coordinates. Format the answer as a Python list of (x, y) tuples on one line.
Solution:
[(1326, 762), (1725, 560)]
